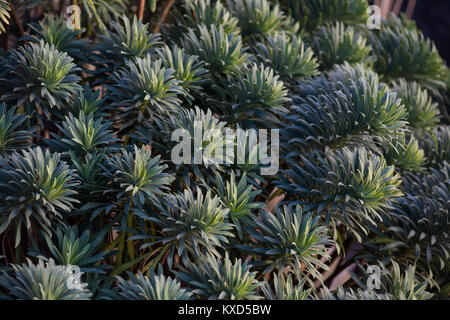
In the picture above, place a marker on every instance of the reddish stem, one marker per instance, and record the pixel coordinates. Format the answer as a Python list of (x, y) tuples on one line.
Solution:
[(141, 9), (166, 8)]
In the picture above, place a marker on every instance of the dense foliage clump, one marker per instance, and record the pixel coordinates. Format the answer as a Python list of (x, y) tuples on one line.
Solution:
[(92, 117)]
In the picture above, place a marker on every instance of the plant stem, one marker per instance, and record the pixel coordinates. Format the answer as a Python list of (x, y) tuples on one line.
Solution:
[(16, 19), (130, 246), (162, 16), (141, 9)]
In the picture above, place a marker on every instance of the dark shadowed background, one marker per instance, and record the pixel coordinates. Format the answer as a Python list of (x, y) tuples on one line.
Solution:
[(433, 18)]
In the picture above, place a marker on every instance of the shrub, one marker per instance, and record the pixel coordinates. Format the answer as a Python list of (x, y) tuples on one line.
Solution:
[(133, 148)]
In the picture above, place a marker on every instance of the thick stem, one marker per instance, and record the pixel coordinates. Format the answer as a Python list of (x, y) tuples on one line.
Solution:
[(16, 19), (162, 16), (120, 247), (130, 246), (4, 248), (141, 9), (397, 7), (410, 8)]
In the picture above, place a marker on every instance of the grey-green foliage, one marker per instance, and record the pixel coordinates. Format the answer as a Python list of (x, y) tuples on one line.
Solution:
[(290, 237), (68, 246), (423, 112), (104, 12), (394, 284), (345, 106), (338, 43), (191, 223), (352, 186), (129, 39), (313, 13), (55, 32), (239, 197), (403, 51), (142, 88), (138, 121), (82, 134), (255, 87), (400, 282), (188, 70), (435, 143), (404, 152), (138, 176), (89, 101), (40, 188), (221, 279), (350, 294), (43, 281), (204, 12), (42, 77), (417, 228), (406, 286), (14, 133), (220, 51), (153, 287), (256, 17), (287, 55), (285, 288), (183, 149), (4, 15)]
